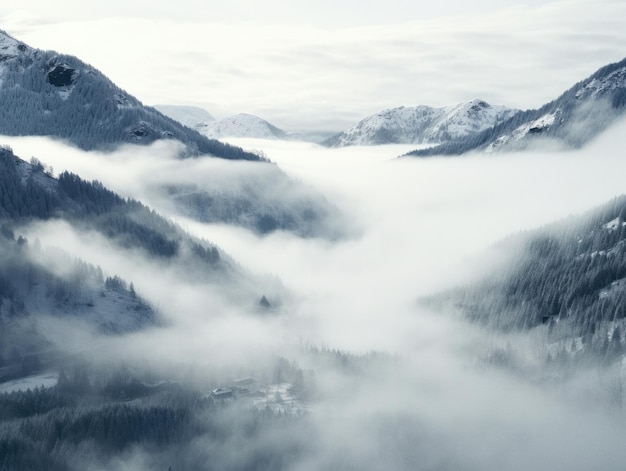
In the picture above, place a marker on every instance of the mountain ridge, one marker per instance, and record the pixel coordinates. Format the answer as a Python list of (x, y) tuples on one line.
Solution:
[(564, 282), (45, 93), (569, 121), (421, 124)]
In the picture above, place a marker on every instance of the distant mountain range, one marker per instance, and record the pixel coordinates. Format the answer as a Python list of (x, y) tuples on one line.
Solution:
[(239, 125), (44, 93), (570, 121), (422, 124)]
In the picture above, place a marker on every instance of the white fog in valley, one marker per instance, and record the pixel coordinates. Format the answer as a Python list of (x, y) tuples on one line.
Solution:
[(414, 227)]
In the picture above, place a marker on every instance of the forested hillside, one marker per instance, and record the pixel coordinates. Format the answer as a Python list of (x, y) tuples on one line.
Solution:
[(99, 417), (44, 93), (568, 279), (38, 282), (263, 202), (28, 193)]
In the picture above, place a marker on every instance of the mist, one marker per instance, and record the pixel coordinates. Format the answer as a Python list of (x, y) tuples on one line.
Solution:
[(418, 227)]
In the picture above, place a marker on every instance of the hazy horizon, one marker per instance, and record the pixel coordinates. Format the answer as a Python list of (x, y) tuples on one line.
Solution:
[(317, 69)]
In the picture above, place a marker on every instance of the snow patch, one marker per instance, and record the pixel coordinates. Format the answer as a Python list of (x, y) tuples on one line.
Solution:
[(279, 398), (66, 92), (596, 87), (42, 380), (612, 225)]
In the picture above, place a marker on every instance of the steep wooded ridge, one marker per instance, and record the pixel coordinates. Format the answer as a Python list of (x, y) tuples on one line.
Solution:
[(570, 121), (422, 124), (44, 93), (28, 194), (568, 278)]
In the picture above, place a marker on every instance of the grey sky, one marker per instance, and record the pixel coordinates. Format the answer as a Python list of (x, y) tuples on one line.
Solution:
[(322, 66)]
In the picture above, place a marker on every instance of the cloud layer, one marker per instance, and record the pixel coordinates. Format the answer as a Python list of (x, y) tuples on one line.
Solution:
[(426, 225)]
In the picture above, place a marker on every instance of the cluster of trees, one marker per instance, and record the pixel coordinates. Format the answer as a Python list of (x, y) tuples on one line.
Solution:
[(47, 94), (59, 425), (97, 416), (19, 199)]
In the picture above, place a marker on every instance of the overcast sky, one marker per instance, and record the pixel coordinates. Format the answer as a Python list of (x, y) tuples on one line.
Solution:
[(314, 66)]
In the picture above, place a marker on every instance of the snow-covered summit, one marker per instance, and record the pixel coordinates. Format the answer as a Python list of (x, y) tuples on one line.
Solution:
[(190, 116), (422, 124), (242, 125), (238, 125)]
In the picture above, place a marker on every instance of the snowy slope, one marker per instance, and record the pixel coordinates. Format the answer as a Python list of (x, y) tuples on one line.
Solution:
[(422, 124), (11, 48), (574, 118)]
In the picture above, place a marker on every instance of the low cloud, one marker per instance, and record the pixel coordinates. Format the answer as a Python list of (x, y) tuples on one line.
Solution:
[(427, 225)]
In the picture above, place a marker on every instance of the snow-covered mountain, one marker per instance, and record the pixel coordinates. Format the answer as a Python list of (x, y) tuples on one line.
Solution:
[(44, 93), (189, 116), (422, 124), (242, 125), (239, 125), (577, 116)]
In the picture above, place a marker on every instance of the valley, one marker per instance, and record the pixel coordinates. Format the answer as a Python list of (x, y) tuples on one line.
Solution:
[(229, 281)]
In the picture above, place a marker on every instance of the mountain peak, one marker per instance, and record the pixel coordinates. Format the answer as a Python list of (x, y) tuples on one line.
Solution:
[(45, 93), (10, 47), (238, 125)]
